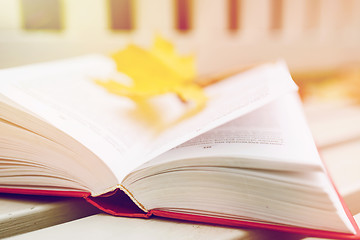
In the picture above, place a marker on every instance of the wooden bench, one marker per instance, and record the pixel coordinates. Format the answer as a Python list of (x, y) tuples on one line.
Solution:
[(335, 126)]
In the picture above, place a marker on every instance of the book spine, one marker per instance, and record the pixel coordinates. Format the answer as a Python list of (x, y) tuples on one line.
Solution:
[(119, 202)]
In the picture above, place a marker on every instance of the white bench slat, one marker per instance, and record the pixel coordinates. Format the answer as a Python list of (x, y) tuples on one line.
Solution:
[(333, 122), (343, 163), (20, 214)]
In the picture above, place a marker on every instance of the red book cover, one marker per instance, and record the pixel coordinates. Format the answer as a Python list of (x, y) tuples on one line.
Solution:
[(118, 203)]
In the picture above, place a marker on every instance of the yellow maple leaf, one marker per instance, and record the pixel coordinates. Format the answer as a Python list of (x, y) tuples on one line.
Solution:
[(156, 71)]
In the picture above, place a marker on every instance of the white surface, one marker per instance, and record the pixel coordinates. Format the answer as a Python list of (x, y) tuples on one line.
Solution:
[(19, 214), (333, 122)]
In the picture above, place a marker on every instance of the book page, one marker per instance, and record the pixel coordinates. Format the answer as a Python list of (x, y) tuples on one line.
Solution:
[(273, 137), (228, 100), (65, 95), (124, 134)]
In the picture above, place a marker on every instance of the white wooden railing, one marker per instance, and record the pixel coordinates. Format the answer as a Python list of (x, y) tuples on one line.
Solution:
[(309, 34)]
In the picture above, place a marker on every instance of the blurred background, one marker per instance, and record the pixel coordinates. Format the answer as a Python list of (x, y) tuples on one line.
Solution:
[(319, 39)]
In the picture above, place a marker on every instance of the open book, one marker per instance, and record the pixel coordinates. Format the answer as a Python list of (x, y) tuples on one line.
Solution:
[(247, 159)]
